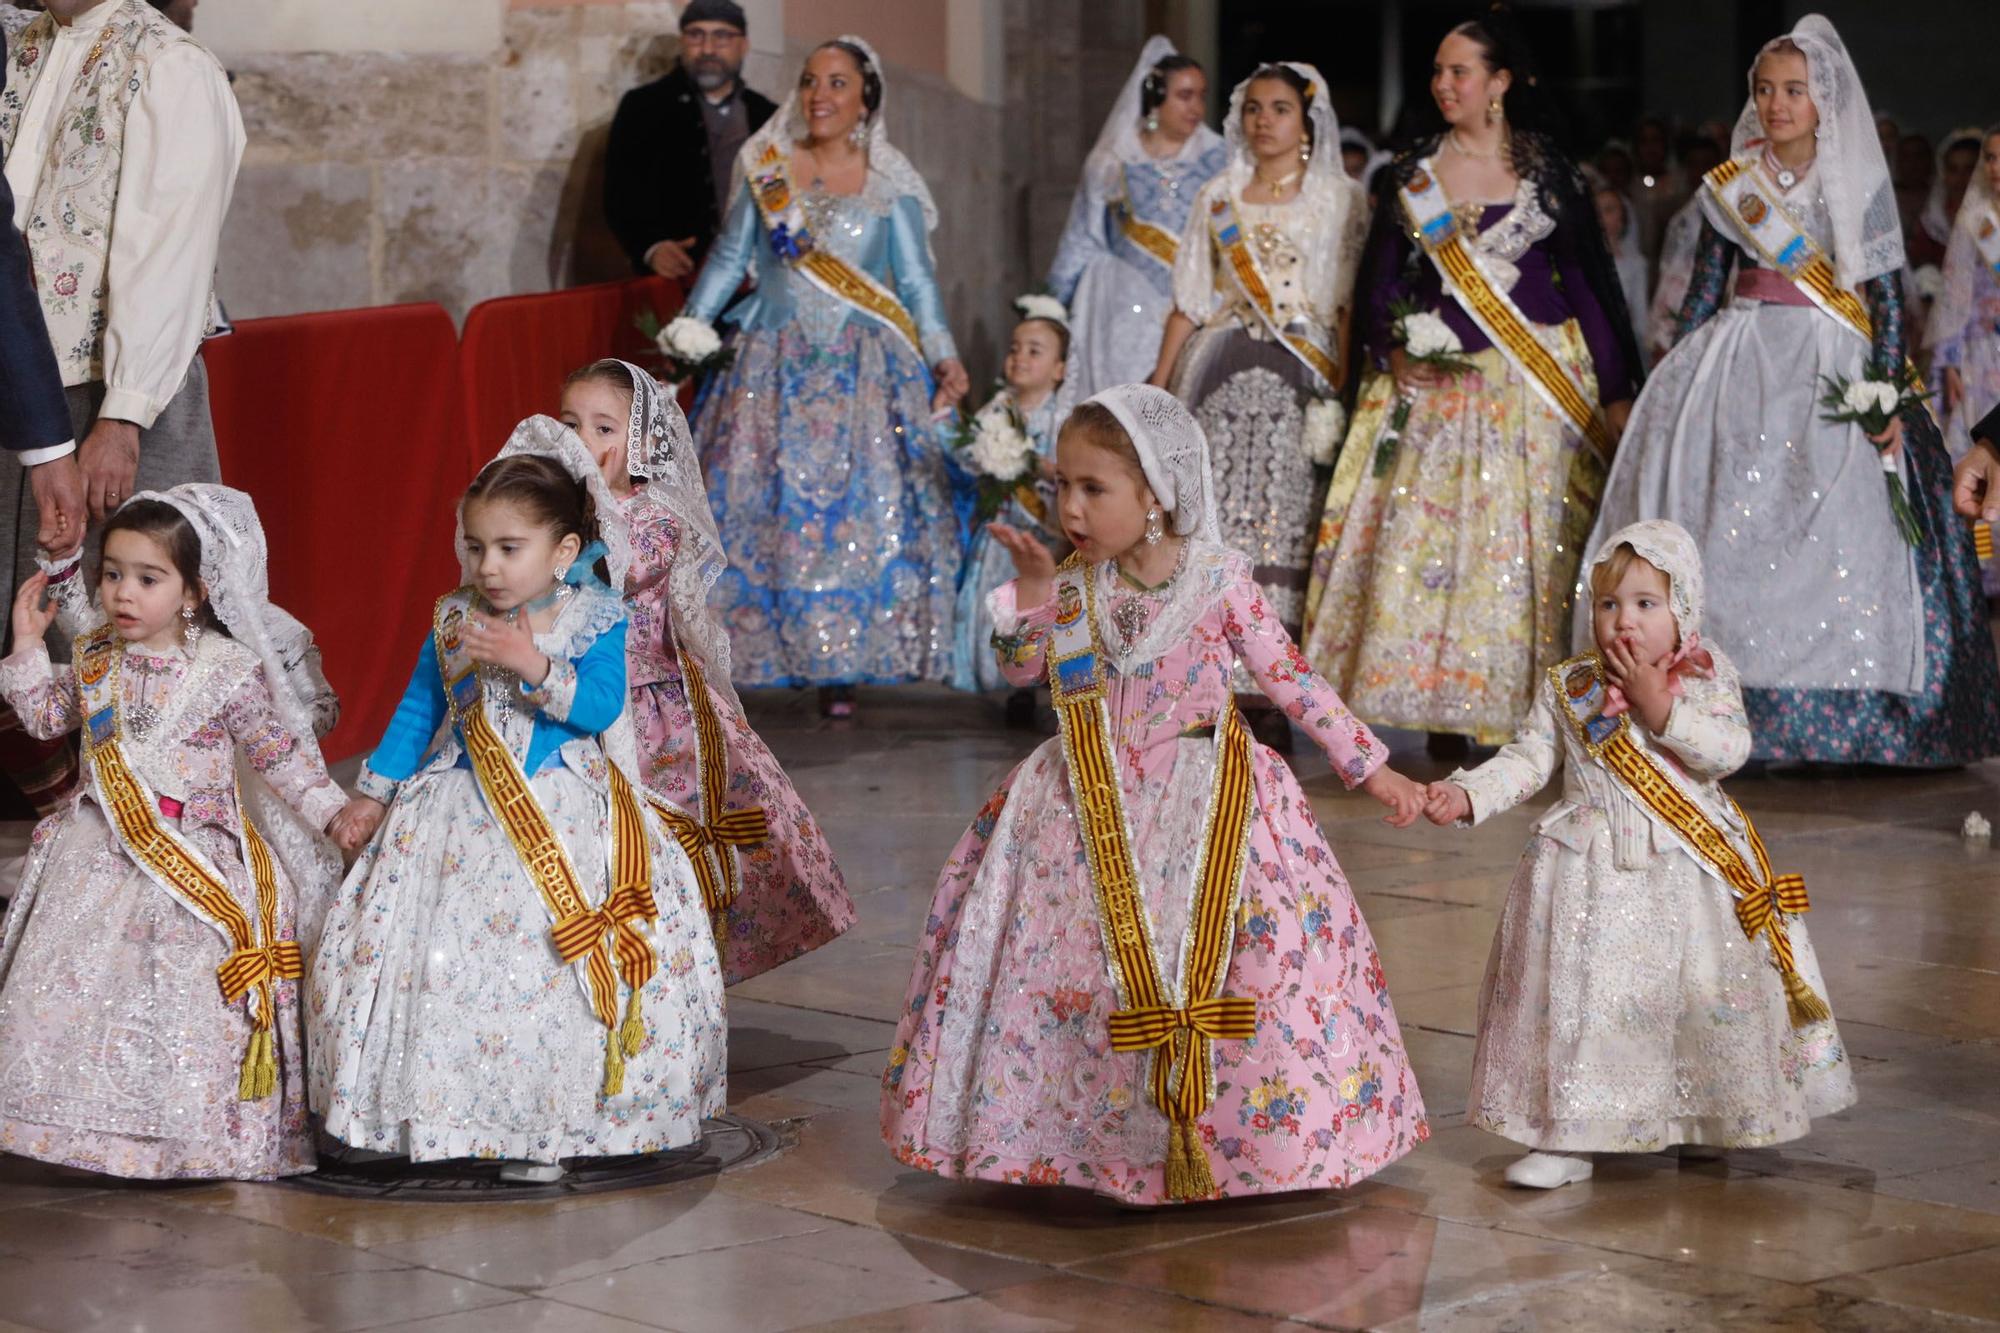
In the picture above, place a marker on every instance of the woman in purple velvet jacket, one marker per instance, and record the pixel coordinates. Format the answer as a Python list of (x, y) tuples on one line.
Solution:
[(1447, 553)]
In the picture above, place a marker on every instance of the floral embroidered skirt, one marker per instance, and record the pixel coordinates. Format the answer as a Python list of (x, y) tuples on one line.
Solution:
[(117, 1053), (1003, 1068), (828, 483), (1442, 587), (1623, 1011), (444, 1024), (792, 897)]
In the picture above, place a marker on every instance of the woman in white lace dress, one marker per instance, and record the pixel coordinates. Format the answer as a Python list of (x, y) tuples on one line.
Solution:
[(1257, 340)]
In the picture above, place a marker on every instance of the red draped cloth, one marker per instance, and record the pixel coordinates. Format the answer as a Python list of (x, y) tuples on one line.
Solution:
[(348, 429)]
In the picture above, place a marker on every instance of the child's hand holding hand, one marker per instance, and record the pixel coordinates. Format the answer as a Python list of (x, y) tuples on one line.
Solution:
[(356, 823), (1404, 797), (1034, 567), (507, 643), (1448, 804), (1644, 683), (32, 617)]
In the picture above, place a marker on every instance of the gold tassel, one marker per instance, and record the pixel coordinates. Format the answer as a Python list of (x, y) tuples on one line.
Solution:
[(1188, 1176), (633, 1035), (258, 1076), (1803, 1007), (614, 1063)]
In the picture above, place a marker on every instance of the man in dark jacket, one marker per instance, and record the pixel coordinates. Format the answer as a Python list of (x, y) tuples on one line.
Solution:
[(673, 141), (34, 419)]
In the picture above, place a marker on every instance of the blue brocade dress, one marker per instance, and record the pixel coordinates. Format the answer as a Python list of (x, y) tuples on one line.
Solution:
[(825, 470), (987, 566)]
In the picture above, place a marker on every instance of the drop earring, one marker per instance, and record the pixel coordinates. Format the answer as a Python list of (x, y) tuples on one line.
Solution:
[(1305, 152), (190, 631), (1154, 530), (1493, 112), (859, 134), (1152, 122)]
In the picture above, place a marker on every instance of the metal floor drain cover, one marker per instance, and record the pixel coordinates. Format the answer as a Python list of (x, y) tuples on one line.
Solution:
[(726, 1141)]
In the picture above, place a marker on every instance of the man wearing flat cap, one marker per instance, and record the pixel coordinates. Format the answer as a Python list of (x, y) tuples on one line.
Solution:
[(673, 141)]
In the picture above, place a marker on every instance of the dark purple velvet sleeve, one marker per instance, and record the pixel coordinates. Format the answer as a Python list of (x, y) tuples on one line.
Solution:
[(1615, 381), (1385, 261)]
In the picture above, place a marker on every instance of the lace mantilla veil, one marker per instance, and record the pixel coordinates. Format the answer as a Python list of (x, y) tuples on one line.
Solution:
[(660, 448), (1853, 175), (1326, 178), (788, 127)]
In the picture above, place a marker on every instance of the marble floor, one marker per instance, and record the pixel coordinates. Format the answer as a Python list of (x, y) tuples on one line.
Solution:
[(1886, 1218)]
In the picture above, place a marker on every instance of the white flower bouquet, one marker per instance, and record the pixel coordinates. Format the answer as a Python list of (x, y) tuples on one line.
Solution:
[(1426, 340), (688, 347), (1326, 423), (1872, 405), (994, 445)]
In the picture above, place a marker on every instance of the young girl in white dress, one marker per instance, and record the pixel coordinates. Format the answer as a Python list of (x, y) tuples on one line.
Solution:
[(1624, 1010), (149, 1016), (519, 966)]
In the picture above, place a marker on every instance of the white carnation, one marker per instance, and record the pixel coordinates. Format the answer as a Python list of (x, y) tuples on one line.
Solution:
[(1865, 396), (689, 339), (1929, 282), (1426, 334), (1976, 827), (999, 449), (1041, 307), (1326, 425)]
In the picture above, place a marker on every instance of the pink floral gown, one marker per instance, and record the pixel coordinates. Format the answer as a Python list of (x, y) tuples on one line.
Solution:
[(1003, 1069), (117, 1052), (793, 898)]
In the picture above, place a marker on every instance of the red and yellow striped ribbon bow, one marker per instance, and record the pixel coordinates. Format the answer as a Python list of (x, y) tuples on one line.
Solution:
[(1221, 1018)]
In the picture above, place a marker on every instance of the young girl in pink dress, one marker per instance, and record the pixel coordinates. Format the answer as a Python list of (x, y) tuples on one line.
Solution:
[(765, 869), (1144, 973)]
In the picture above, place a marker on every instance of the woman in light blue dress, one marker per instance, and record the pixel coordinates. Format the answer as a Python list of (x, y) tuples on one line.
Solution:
[(822, 441), (1115, 266)]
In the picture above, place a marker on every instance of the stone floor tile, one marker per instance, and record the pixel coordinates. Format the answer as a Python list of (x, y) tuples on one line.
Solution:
[(1791, 1230), (842, 1272), (808, 1090), (1874, 1142), (1060, 1303), (523, 1316), (364, 1223), (534, 1254), (1960, 1284), (1358, 1269), (762, 1034), (1447, 1008), (1960, 1079), (1973, 1185), (865, 980)]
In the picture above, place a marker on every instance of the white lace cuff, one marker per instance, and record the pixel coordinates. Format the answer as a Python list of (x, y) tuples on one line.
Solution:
[(320, 804), (376, 787), (557, 693), (28, 669), (1468, 782)]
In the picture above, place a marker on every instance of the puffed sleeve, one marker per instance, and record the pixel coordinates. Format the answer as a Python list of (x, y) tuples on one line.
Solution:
[(1084, 237), (42, 695), (1020, 637), (1282, 673), (588, 693), (916, 278), (418, 715), (290, 763), (1194, 263), (1522, 767), (728, 261), (1708, 729)]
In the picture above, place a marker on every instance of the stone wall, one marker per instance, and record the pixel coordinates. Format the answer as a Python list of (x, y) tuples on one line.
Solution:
[(456, 176)]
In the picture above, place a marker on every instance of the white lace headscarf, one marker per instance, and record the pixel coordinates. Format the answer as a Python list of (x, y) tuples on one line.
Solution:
[(1936, 223), (1953, 311), (1173, 453), (1118, 142), (1324, 172), (1667, 547), (235, 569), (787, 129), (660, 449), (1853, 175), (549, 438)]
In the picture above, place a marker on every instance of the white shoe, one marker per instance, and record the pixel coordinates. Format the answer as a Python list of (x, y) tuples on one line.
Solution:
[(531, 1173), (1547, 1170)]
